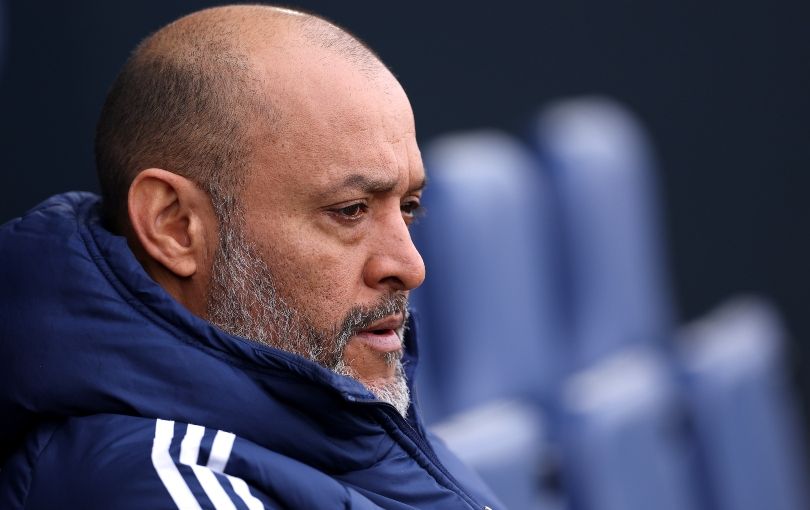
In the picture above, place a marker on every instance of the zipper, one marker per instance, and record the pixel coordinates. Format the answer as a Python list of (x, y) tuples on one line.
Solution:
[(421, 443)]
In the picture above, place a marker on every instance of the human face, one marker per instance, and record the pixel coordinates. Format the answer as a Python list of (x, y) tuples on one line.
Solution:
[(328, 201), (244, 301)]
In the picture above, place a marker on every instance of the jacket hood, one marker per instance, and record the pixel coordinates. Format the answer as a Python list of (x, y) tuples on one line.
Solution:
[(84, 330)]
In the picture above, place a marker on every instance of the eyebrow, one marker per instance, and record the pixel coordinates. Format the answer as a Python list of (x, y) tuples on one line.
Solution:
[(373, 186)]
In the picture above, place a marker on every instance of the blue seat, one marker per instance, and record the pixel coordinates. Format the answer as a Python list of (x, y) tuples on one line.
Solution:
[(600, 167), (625, 446), (620, 421), (489, 322), (736, 384), (489, 315)]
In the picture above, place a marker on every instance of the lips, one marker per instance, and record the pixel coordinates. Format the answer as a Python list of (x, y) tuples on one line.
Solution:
[(382, 336), (393, 322)]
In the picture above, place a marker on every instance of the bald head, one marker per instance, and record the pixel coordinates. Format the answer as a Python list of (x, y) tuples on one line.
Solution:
[(197, 96)]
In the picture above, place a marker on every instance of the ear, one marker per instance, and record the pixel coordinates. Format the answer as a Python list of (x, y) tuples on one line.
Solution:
[(169, 215)]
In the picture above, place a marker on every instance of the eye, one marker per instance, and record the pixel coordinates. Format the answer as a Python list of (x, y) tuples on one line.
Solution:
[(411, 209), (353, 211)]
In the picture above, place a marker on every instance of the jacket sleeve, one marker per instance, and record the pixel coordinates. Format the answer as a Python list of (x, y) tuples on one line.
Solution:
[(126, 463), (103, 462)]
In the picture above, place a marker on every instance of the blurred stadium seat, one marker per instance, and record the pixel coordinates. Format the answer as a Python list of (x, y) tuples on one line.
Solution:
[(625, 444), (489, 311), (600, 168), (491, 323), (736, 384), (549, 341), (621, 422)]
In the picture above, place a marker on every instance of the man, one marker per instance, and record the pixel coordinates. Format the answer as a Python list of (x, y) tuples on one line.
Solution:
[(227, 328)]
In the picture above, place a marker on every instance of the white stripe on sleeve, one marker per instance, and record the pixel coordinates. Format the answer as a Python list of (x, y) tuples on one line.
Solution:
[(190, 447), (189, 453), (243, 491), (167, 470), (220, 451)]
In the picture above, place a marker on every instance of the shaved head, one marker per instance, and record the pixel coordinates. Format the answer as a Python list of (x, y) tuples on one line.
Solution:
[(195, 99), (241, 151)]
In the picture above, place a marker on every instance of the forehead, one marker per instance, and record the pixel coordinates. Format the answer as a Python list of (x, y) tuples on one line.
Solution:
[(336, 120)]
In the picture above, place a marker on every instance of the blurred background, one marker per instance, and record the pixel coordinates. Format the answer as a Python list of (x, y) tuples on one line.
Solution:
[(627, 182)]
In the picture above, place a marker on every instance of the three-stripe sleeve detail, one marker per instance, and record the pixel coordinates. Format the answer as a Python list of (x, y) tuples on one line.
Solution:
[(167, 469), (177, 486)]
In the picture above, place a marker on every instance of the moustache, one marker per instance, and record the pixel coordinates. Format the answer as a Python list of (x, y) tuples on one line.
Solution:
[(360, 318)]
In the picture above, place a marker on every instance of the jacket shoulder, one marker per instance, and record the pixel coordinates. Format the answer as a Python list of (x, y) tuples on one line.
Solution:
[(123, 462)]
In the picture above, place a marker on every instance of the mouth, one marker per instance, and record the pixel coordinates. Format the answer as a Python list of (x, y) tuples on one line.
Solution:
[(384, 335)]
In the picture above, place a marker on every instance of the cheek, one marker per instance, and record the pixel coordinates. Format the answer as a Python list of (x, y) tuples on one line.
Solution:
[(316, 278)]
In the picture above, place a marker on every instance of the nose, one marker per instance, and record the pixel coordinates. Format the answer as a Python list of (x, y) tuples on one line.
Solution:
[(394, 263)]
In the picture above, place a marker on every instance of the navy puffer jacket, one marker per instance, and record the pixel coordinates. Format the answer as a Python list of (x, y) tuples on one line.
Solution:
[(112, 395)]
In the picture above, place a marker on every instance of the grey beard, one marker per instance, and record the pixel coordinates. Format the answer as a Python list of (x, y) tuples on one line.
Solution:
[(395, 392), (244, 301)]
